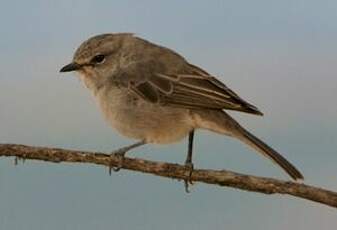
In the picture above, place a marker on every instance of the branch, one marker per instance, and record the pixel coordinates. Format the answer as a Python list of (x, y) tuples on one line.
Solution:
[(175, 171)]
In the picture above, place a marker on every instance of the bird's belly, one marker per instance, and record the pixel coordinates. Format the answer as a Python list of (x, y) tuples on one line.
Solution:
[(146, 121)]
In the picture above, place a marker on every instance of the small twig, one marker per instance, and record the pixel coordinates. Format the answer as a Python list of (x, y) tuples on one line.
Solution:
[(175, 171)]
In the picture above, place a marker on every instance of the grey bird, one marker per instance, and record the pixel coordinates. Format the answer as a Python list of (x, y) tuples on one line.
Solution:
[(152, 94)]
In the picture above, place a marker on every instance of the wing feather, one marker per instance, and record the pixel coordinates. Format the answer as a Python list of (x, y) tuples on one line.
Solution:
[(204, 92), (196, 90)]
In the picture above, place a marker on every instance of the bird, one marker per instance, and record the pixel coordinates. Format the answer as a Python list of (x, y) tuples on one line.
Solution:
[(152, 94)]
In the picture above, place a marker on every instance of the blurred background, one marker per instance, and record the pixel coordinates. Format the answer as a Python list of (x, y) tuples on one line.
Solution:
[(279, 55)]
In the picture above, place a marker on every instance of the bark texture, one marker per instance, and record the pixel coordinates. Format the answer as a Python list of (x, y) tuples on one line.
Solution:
[(175, 171)]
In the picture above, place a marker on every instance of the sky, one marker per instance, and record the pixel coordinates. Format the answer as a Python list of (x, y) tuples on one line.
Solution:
[(278, 55)]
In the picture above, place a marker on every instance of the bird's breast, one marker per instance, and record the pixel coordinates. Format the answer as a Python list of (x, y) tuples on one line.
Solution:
[(135, 118)]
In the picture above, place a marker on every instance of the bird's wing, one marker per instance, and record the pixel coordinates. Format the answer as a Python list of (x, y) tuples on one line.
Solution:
[(193, 90)]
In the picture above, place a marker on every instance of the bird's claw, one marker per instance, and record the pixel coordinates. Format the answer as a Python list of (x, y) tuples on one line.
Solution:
[(120, 155), (188, 181)]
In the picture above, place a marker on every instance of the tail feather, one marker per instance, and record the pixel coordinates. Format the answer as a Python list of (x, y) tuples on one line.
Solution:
[(221, 122), (267, 151)]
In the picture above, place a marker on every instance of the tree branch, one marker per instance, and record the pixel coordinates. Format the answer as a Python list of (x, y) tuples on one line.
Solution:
[(175, 171)]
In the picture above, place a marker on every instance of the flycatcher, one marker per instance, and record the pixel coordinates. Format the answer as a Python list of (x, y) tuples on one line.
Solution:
[(152, 94)]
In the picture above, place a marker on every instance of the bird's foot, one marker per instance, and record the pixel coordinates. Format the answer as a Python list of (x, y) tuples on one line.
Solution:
[(120, 154), (188, 181)]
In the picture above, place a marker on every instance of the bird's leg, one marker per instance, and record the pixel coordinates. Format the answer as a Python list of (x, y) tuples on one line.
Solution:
[(188, 161), (120, 153)]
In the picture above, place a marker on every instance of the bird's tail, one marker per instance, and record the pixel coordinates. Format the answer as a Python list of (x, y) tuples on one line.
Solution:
[(267, 151), (221, 122)]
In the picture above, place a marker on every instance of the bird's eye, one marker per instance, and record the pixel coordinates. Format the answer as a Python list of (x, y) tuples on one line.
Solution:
[(98, 59)]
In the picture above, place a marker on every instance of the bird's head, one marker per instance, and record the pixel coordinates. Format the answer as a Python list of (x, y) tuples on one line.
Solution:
[(100, 57)]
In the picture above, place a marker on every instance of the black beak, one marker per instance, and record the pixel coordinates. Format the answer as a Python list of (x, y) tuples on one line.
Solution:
[(70, 67)]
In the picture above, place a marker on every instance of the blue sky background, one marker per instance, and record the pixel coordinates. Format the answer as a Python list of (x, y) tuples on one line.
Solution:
[(279, 55)]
